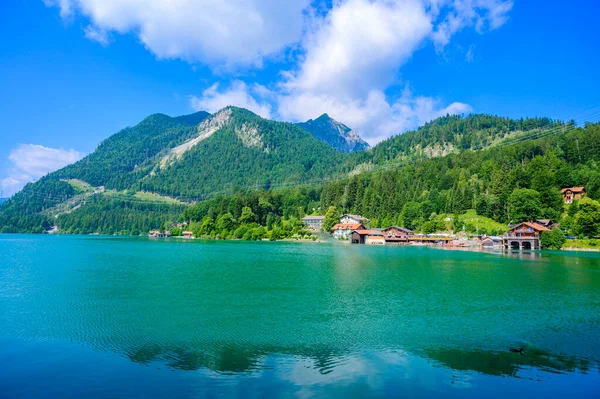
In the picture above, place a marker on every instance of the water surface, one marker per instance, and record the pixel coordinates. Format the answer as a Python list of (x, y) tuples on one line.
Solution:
[(114, 317)]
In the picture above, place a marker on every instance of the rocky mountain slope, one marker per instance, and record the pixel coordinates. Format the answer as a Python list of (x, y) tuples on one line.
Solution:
[(334, 133)]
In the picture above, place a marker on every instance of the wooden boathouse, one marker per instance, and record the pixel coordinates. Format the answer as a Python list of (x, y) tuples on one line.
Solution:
[(524, 235)]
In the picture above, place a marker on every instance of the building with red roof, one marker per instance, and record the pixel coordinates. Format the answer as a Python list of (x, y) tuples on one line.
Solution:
[(571, 194)]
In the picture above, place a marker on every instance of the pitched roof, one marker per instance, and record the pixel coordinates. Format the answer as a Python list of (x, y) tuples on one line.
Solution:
[(404, 229), (534, 226), (347, 226), (573, 189), (367, 232), (356, 217), (313, 217)]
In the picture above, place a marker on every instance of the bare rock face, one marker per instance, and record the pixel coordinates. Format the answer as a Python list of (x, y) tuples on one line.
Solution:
[(334, 133), (250, 136), (205, 129)]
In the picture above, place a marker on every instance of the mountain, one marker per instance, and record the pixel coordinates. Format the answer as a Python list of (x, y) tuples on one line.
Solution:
[(166, 162), (334, 133), (454, 133), (145, 175), (237, 148)]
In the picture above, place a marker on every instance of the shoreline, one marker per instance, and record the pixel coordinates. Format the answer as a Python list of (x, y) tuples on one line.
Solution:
[(473, 248)]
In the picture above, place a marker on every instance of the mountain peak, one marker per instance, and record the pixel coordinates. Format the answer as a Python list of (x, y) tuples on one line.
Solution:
[(334, 133)]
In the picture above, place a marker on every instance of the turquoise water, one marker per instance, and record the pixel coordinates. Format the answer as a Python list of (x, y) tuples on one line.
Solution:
[(133, 317)]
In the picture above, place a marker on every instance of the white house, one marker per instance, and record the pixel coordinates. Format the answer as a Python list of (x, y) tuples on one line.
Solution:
[(353, 219), (344, 230)]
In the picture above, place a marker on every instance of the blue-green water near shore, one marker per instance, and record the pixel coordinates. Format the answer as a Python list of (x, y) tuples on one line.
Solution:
[(131, 317)]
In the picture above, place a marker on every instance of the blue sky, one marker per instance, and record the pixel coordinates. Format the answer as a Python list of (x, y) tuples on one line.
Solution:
[(73, 72)]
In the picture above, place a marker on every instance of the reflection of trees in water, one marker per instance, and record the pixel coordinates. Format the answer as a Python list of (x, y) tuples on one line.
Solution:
[(507, 363), (232, 358)]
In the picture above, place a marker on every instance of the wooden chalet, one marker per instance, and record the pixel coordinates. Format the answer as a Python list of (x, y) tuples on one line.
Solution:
[(187, 234), (492, 242), (370, 237), (524, 235), (344, 230), (547, 223), (571, 194), (397, 235)]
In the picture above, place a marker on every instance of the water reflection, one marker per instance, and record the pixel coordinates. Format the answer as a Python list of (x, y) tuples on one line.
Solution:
[(507, 363), (313, 314), (231, 359)]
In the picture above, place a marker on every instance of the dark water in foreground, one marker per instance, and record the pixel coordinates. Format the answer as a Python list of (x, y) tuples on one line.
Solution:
[(85, 317)]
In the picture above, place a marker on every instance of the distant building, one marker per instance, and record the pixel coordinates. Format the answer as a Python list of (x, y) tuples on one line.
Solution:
[(187, 234), (369, 237), (524, 235), (313, 222), (158, 234), (547, 223), (492, 242), (397, 235), (353, 219), (571, 194), (344, 230)]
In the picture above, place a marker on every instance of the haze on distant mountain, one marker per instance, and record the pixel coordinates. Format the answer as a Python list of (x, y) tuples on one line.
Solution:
[(334, 133)]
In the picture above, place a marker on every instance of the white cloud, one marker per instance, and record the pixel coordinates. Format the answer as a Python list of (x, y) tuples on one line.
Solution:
[(470, 56), (233, 32), (482, 14), (353, 56), (359, 47), (238, 94), (375, 118), (347, 57), (31, 161), (97, 35)]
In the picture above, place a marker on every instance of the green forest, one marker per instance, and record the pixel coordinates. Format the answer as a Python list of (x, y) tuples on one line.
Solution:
[(495, 171)]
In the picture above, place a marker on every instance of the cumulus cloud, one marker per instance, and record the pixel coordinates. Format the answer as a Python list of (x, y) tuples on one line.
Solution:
[(353, 56), (359, 46), (346, 57), (97, 35), (374, 117), (238, 94), (233, 32), (482, 14), (29, 162)]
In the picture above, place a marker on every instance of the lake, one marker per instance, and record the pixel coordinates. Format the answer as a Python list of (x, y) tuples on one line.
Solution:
[(86, 317)]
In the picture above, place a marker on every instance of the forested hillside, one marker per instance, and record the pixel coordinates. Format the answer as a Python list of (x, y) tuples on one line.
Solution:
[(246, 151), (453, 133), (143, 177), (120, 160), (509, 183)]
